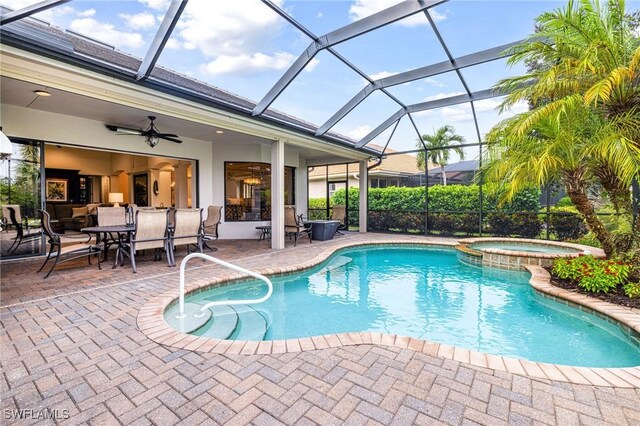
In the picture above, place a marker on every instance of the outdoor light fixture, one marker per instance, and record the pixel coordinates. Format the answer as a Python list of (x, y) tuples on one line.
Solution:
[(152, 140), (116, 198), (6, 149), (219, 132), (42, 93)]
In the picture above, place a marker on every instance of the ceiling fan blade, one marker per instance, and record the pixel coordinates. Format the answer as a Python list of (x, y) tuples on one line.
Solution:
[(168, 138), (171, 135), (124, 130)]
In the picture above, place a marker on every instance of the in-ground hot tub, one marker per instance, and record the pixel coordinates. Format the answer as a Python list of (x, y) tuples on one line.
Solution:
[(516, 253)]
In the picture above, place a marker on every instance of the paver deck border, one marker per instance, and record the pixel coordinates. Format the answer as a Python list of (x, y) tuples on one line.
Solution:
[(150, 321)]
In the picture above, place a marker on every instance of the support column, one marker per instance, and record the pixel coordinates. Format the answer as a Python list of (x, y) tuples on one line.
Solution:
[(364, 188), (181, 184), (277, 194)]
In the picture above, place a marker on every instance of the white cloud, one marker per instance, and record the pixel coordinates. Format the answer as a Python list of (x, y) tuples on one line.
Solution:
[(243, 64), (363, 8), (48, 15), (434, 82), (238, 36), (311, 65), (359, 132), (173, 44), (107, 33), (442, 96), (382, 74), (319, 15), (139, 21), (86, 13), (156, 4)]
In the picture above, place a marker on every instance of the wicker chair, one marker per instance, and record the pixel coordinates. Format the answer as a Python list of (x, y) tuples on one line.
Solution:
[(293, 226), (339, 212), (57, 250), (21, 236), (151, 232), (210, 225), (187, 229)]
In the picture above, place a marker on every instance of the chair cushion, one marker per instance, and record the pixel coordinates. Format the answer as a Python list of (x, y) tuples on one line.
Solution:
[(79, 212)]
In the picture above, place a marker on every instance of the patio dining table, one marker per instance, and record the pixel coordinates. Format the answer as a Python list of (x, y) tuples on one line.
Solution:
[(123, 233)]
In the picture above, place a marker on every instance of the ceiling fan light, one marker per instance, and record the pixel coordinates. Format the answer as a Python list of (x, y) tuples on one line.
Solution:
[(152, 140), (42, 93)]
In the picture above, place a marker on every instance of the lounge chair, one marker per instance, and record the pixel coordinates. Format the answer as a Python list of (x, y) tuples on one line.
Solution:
[(210, 225), (293, 225), (57, 250)]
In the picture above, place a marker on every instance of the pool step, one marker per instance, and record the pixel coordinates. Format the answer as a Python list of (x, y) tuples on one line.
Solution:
[(251, 325), (223, 323), (335, 263)]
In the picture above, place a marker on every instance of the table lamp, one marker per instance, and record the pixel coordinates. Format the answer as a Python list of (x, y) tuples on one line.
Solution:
[(116, 198)]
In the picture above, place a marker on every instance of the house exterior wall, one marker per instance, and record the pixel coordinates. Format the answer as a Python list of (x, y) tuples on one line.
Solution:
[(69, 130)]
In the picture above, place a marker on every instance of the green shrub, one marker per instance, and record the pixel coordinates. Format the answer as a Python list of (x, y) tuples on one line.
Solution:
[(566, 223), (591, 274), (526, 225), (564, 202), (632, 290)]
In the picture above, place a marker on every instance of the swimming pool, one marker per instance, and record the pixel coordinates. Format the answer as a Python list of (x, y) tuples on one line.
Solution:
[(423, 293)]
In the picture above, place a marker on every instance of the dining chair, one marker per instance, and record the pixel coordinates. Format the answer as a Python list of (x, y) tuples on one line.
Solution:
[(21, 236), (151, 232), (210, 225), (187, 230), (58, 250), (339, 212), (111, 216)]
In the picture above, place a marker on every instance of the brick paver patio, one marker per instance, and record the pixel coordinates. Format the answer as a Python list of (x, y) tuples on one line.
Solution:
[(71, 343)]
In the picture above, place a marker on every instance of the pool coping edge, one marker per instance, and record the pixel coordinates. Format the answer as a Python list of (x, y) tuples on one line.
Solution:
[(151, 322)]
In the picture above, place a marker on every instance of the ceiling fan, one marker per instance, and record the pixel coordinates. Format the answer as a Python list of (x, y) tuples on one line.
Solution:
[(151, 135)]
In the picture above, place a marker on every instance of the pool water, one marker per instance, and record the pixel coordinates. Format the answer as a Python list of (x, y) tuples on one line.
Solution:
[(523, 247), (428, 294)]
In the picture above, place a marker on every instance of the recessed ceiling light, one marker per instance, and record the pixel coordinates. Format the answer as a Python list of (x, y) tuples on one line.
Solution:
[(219, 131), (42, 93)]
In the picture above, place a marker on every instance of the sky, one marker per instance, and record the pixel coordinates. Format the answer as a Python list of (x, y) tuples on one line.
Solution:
[(242, 46)]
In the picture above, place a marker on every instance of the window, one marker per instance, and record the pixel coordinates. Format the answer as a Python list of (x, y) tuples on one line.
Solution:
[(248, 190), (332, 189)]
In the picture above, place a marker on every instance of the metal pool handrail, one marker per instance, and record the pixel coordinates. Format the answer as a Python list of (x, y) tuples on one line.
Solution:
[(183, 264)]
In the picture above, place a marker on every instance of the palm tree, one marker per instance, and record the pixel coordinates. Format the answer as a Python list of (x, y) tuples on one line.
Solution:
[(560, 147), (438, 148), (587, 55)]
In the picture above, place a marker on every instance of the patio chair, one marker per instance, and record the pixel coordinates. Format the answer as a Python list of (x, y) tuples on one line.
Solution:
[(57, 250), (187, 230), (6, 221), (293, 226), (111, 216), (210, 225), (21, 237), (339, 212), (151, 232)]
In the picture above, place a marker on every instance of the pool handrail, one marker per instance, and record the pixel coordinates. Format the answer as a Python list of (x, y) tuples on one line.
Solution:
[(187, 258)]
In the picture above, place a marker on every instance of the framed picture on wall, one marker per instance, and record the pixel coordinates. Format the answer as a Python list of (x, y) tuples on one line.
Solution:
[(56, 190), (141, 189)]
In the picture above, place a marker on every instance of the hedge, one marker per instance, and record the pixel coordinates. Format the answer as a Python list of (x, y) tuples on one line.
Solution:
[(464, 198)]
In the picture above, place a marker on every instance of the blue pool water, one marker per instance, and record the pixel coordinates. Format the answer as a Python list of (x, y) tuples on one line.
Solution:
[(524, 247), (428, 294)]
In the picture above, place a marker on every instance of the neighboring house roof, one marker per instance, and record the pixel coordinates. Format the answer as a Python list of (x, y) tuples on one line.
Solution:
[(39, 37), (392, 165), (460, 172)]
